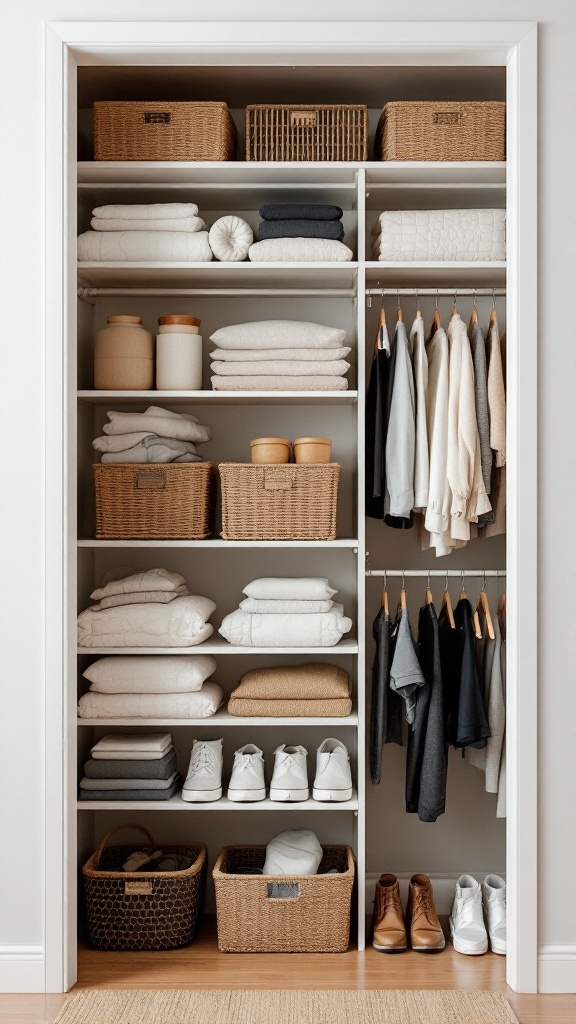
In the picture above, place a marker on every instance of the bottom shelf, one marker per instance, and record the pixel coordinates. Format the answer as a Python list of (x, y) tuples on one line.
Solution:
[(176, 803)]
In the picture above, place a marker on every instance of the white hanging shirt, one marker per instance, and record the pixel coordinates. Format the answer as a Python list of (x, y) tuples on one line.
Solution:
[(421, 454), (439, 501), (400, 439)]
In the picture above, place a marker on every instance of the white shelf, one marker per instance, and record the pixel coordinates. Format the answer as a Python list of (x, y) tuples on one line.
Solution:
[(221, 718), (221, 646), (443, 274), (223, 545), (176, 803), (221, 397), (219, 275)]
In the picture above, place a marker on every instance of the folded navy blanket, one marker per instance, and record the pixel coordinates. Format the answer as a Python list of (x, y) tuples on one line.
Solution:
[(300, 211), (301, 229), (131, 794), (162, 768)]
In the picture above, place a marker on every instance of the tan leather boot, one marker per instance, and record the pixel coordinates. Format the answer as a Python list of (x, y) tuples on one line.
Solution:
[(388, 928), (426, 935)]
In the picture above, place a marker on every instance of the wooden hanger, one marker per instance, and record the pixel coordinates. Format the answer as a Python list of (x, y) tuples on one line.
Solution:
[(502, 604), (384, 599), (447, 604), (484, 604), (493, 311), (381, 327)]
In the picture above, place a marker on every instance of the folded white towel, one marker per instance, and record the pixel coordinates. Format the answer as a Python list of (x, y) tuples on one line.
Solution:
[(150, 597), (150, 673), (254, 605), (112, 784), (283, 382), (143, 454), (156, 743), (125, 224), (141, 582), (182, 623), (299, 250), (144, 247), (147, 211), (278, 334), (323, 629), (283, 368), (201, 704), (120, 442), (300, 354), (290, 588), (156, 421)]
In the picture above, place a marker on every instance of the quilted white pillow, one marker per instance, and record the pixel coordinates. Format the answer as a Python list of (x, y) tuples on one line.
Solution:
[(278, 588), (150, 673), (202, 704), (263, 334), (299, 250), (141, 582), (182, 623), (230, 239)]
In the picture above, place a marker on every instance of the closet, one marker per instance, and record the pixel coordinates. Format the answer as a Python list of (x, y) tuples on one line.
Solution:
[(468, 837)]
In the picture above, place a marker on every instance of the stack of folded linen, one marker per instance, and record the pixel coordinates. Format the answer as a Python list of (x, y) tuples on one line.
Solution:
[(292, 691), (279, 355), (287, 613), (160, 232), (146, 609), (131, 768), (156, 435), (151, 687), (300, 233)]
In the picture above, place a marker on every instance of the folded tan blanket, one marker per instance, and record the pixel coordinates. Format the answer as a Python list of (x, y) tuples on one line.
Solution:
[(312, 682), (246, 708)]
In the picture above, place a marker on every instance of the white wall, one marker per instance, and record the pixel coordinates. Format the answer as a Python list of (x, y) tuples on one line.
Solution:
[(21, 414)]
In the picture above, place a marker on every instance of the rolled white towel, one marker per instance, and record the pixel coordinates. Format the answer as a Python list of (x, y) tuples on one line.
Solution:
[(230, 239), (146, 211)]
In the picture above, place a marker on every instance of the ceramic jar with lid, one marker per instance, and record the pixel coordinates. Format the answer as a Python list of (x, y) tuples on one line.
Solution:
[(124, 356), (179, 354), (310, 451)]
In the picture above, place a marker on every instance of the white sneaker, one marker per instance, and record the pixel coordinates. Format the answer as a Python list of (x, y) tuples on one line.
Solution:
[(204, 778), (290, 777), (466, 920), (247, 779), (333, 776), (494, 895)]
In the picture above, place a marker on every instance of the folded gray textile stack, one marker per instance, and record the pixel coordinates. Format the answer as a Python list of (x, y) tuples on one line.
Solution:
[(301, 220), (131, 767), (154, 436)]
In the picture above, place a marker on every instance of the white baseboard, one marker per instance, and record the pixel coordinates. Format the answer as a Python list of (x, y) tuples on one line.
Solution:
[(22, 969), (557, 969)]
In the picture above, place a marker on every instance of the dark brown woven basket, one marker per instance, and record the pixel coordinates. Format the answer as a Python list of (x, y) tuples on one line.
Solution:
[(314, 916), (155, 130), (286, 502), (426, 130), (307, 132), (141, 909), (159, 501)]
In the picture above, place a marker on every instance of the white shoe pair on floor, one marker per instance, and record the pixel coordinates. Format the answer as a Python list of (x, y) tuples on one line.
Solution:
[(289, 781), (479, 912)]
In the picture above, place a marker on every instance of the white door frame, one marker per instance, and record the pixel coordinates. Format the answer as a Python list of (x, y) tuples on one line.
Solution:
[(513, 44)]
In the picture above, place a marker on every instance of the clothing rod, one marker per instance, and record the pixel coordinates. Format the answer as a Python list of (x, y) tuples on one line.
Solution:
[(479, 292), (86, 293), (438, 573)]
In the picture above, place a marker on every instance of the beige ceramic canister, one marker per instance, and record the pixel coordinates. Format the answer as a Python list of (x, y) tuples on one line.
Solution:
[(124, 356), (311, 451), (270, 451), (179, 354)]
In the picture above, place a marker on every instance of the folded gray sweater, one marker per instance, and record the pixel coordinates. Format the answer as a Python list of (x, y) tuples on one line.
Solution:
[(111, 785), (301, 229), (131, 794), (300, 211), (160, 768)]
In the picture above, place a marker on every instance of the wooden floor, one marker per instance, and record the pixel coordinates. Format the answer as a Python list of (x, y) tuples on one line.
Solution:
[(201, 965)]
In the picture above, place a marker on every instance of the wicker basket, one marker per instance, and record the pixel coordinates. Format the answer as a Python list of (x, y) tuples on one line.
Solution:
[(279, 502), (163, 131), (155, 502), (325, 132), (312, 914), (141, 909), (441, 131)]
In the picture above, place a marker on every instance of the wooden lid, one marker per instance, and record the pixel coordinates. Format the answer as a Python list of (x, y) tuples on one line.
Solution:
[(313, 440), (191, 321), (269, 440), (123, 319)]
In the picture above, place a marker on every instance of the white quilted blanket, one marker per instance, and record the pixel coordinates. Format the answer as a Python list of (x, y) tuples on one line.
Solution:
[(182, 623), (145, 246), (201, 704), (299, 250), (323, 629), (417, 235)]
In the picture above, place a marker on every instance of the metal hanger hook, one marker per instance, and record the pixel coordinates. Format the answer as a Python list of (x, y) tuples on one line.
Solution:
[(462, 578), (428, 580), (474, 300), (403, 580), (416, 300), (446, 582), (437, 297), (455, 297), (493, 297), (484, 579), (398, 298)]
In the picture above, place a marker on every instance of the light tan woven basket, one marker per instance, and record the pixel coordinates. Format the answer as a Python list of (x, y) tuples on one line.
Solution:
[(279, 502), (311, 915), (155, 502), (441, 131), (141, 130), (308, 132)]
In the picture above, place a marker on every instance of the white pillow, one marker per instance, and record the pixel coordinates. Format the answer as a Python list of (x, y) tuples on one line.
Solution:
[(299, 250), (202, 704), (262, 334), (140, 582), (256, 607), (182, 623), (277, 588), (150, 673), (230, 239), (296, 852)]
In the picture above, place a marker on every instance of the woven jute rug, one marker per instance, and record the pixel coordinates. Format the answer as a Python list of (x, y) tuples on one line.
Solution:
[(286, 1007)]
